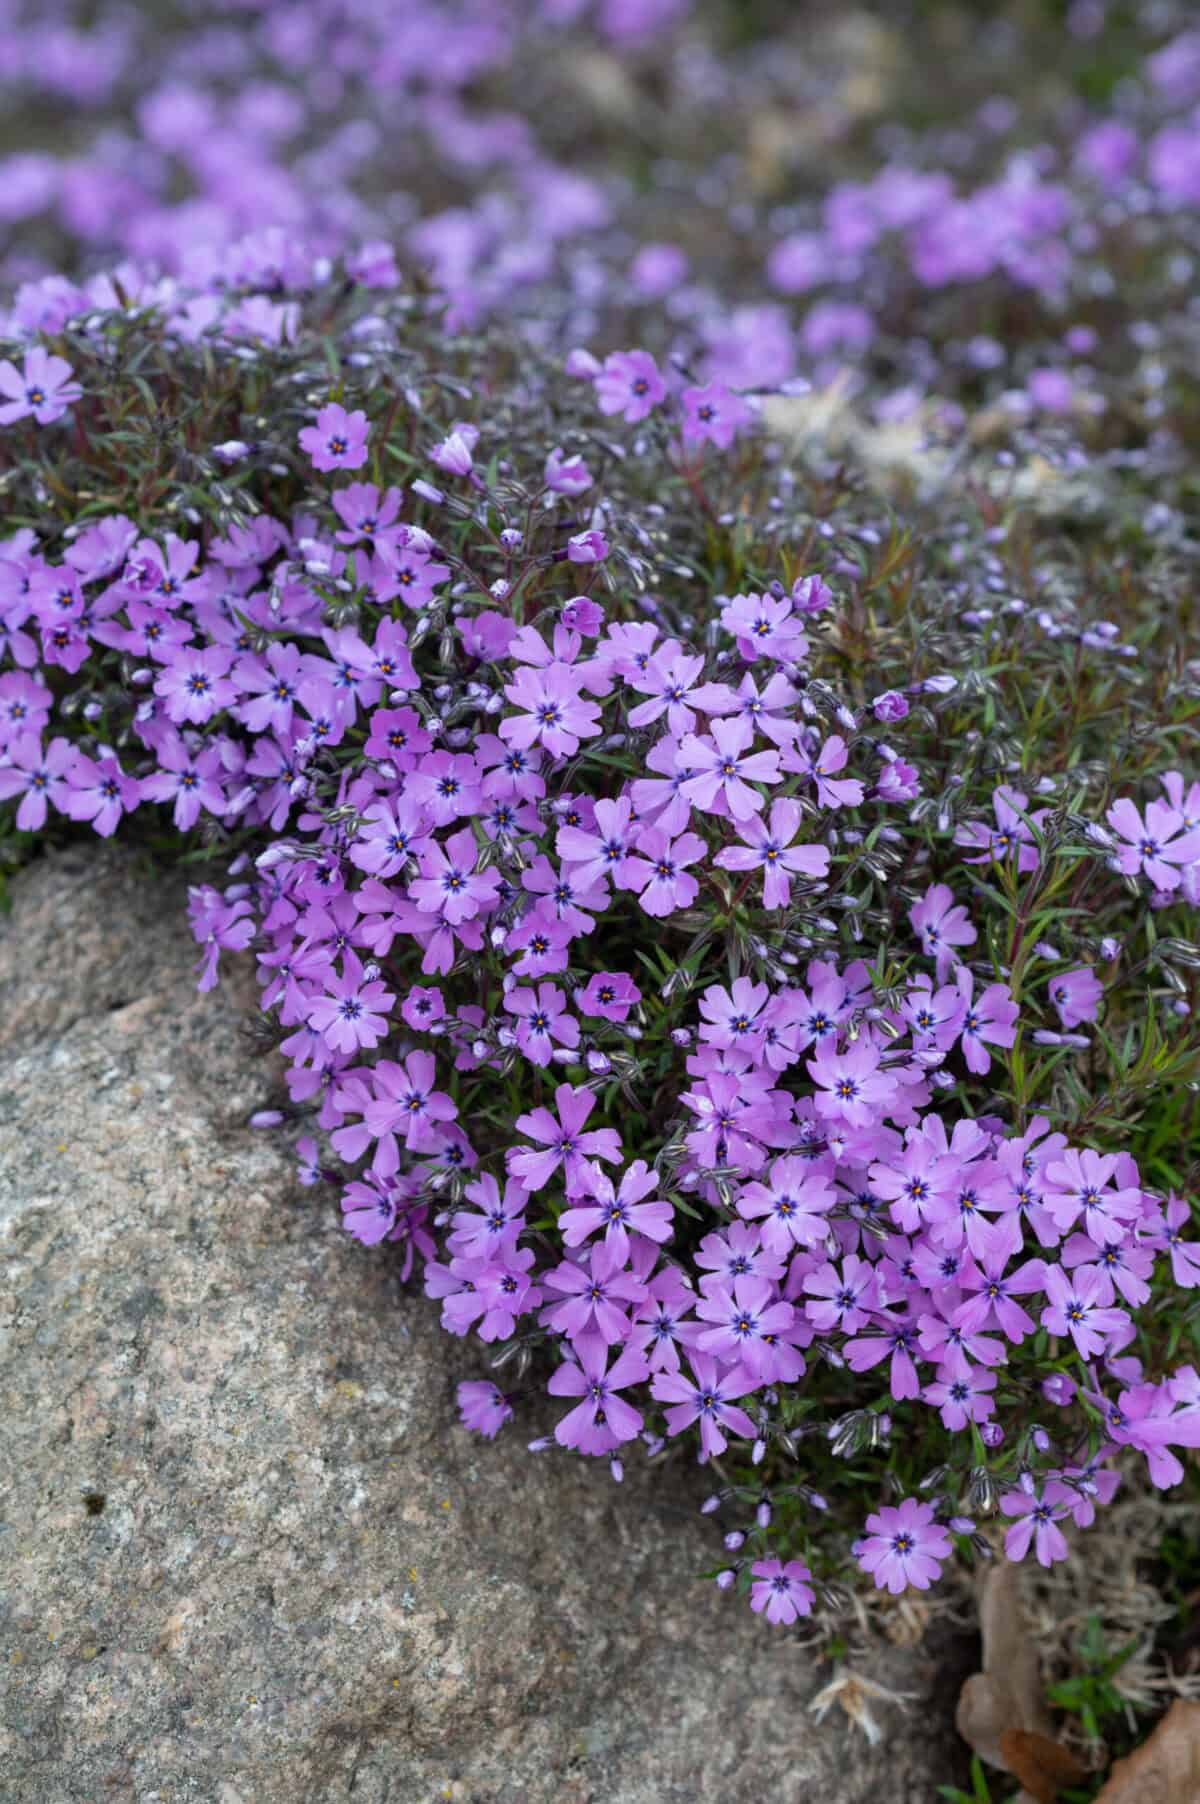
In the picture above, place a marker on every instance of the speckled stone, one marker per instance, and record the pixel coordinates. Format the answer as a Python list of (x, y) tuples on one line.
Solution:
[(245, 1555)]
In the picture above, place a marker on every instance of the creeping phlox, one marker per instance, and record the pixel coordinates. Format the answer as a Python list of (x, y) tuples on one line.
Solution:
[(538, 877)]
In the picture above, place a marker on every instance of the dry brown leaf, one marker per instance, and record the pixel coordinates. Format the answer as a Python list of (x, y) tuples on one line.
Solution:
[(1001, 1713), (1040, 1763), (1166, 1768)]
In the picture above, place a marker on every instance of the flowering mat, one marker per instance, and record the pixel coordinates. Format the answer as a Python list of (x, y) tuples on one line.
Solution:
[(701, 755)]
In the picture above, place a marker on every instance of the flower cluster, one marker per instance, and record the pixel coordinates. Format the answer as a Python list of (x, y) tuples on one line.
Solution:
[(549, 883), (723, 941)]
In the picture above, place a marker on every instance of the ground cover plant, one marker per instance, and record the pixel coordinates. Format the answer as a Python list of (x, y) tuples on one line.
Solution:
[(732, 937)]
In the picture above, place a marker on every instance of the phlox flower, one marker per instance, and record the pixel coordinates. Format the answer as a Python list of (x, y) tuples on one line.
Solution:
[(609, 995), (563, 1142), (670, 683), (99, 791), (737, 1252), (903, 1546), (415, 573), (602, 852), (496, 1221), (917, 1185), (792, 1206), (338, 441), (850, 1085), (742, 1313), (1185, 1254), (455, 453), (1122, 1268), (543, 1017), (723, 769), (43, 390), (1079, 1183), (191, 780), (1012, 834), (841, 1300), (897, 1341), (707, 1396), (768, 845), (619, 1212), (219, 925), (731, 1017), (714, 413), (391, 833), (552, 713), (629, 384), (1037, 1519), (566, 475), (601, 1420), (196, 684), (589, 547), (1076, 995), (821, 762), (449, 884), (995, 1289), (765, 628), (38, 777), (770, 710), (597, 1291), (353, 1012), (660, 1324), (962, 1396), (658, 872), (1074, 1306), (781, 1590), (1156, 845), (943, 927), (988, 1020), (483, 1407)]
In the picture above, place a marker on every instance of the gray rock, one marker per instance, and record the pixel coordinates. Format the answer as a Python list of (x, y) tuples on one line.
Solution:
[(246, 1556)]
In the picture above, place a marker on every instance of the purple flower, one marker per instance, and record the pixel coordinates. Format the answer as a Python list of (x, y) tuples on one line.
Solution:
[(587, 547), (903, 1546), (658, 873), (714, 413), (219, 925), (195, 685), (191, 780), (454, 454), (338, 441), (1157, 845), (851, 1086), (542, 1018), (629, 384), (483, 1407), (353, 1012), (792, 1207), (943, 927), (619, 1212), (99, 791), (449, 884), (43, 390), (744, 1312), (768, 845), (38, 777), (563, 1141), (782, 1590), (1075, 1306), (987, 1021), (609, 995), (708, 1398), (890, 706), (601, 1420), (1076, 994), (723, 769), (553, 711), (1037, 1520), (565, 475), (596, 1291)]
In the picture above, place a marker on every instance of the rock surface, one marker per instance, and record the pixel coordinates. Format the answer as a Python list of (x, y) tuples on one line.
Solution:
[(245, 1556)]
